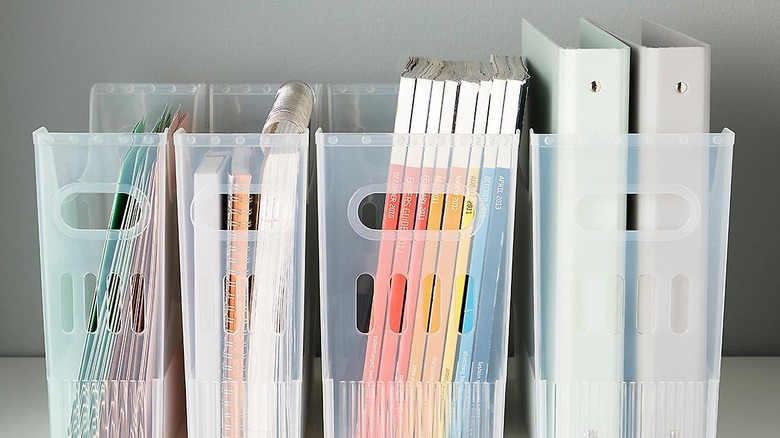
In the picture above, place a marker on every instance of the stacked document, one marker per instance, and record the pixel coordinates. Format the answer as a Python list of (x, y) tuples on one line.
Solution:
[(434, 317), (241, 211)]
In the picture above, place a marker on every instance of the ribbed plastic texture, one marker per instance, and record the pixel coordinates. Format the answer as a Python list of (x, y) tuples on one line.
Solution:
[(258, 391), (630, 235), (116, 107), (105, 374), (350, 167)]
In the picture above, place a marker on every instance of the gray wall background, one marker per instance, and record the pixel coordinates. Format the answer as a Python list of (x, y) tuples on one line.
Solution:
[(52, 51)]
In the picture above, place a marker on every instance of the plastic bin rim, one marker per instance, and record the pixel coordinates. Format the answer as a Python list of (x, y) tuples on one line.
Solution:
[(342, 139), (119, 88), (42, 137), (193, 140), (725, 138)]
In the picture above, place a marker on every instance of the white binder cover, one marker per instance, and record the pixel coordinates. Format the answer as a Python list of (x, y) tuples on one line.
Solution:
[(666, 339), (581, 91)]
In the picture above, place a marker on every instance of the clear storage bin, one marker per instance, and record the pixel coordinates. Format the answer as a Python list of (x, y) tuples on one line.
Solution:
[(117, 107), (630, 236), (107, 320), (242, 281), (353, 183)]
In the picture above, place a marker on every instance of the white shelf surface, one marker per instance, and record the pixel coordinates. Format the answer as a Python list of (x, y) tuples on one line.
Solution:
[(749, 401)]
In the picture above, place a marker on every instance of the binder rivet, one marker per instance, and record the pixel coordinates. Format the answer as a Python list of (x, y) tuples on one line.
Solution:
[(123, 139), (215, 139), (342, 88), (595, 86), (192, 88), (240, 139), (130, 88), (366, 139), (171, 88), (682, 87), (246, 88), (549, 141), (150, 88), (49, 139), (190, 139), (98, 139), (225, 88), (333, 139), (73, 139), (110, 88), (266, 88), (147, 139), (370, 88), (684, 140), (717, 140)]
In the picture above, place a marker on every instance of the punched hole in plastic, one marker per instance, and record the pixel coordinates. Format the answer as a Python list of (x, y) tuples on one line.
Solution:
[(90, 306), (364, 297), (645, 304), (464, 286), (66, 302), (138, 304), (431, 300), (397, 303), (113, 302)]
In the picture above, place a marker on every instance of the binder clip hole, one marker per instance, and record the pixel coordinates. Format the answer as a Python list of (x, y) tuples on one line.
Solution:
[(595, 86), (682, 87)]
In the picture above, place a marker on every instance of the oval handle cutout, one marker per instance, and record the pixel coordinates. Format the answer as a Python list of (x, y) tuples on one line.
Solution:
[(101, 211), (418, 214)]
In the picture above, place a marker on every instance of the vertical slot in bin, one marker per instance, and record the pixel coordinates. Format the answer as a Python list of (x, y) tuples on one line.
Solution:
[(630, 236), (116, 107), (101, 211), (395, 361), (242, 212)]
